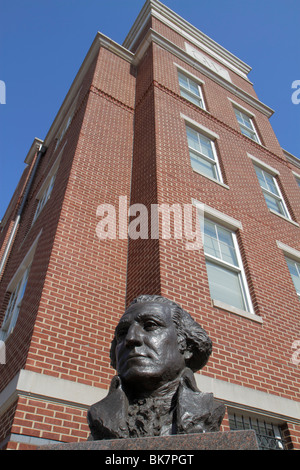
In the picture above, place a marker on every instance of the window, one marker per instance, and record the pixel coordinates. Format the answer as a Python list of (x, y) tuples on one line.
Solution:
[(64, 130), (190, 90), (14, 305), (271, 191), (294, 268), (203, 154), (246, 125), (44, 197), (268, 434), (225, 272), (68, 119), (297, 178), (292, 258), (47, 186), (16, 288)]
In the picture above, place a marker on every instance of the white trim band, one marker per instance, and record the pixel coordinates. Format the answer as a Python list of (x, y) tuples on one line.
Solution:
[(250, 399), (42, 386)]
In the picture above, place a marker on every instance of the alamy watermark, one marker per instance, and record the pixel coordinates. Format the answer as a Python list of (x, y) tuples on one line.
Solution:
[(296, 354), (296, 93), (2, 92), (178, 221), (2, 352)]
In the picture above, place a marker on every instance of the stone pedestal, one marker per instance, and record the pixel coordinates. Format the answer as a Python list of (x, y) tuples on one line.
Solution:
[(233, 440)]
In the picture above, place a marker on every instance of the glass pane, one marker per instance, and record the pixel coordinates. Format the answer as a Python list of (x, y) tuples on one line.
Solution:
[(239, 116), (261, 179), (194, 87), (203, 166), (243, 119), (271, 186), (294, 269), (183, 81), (274, 204), (247, 122), (191, 98), (218, 242), (249, 133), (227, 246), (23, 285), (211, 245), (206, 146), (225, 285), (193, 140)]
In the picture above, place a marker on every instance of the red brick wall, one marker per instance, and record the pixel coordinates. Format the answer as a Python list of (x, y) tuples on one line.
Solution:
[(85, 282), (41, 419), (143, 254)]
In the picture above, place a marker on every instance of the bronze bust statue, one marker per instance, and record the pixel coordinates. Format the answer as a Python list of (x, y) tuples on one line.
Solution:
[(156, 349)]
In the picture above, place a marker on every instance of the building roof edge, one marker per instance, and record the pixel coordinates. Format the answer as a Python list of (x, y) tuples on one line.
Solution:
[(190, 32)]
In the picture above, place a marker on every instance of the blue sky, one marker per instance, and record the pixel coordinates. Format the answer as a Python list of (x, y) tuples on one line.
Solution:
[(43, 43)]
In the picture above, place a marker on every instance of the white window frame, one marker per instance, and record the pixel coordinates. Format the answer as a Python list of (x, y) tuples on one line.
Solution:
[(290, 254), (297, 266), (47, 186), (198, 83), (239, 269), (232, 225), (14, 305), (279, 197), (243, 127), (276, 196), (17, 288), (207, 133), (297, 177)]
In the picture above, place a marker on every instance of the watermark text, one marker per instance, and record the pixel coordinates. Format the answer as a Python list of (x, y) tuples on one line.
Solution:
[(2, 92), (296, 93), (296, 354), (2, 353), (164, 221)]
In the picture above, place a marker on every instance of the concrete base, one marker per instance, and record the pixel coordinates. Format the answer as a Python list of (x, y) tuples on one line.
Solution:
[(233, 440)]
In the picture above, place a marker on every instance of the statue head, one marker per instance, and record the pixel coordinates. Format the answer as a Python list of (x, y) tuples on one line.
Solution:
[(155, 340)]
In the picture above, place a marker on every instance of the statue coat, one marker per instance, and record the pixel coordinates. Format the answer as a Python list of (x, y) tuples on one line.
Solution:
[(194, 411)]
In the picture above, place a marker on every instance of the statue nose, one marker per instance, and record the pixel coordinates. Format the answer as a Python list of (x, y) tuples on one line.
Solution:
[(134, 336)]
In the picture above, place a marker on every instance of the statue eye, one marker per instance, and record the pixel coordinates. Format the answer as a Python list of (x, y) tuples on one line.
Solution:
[(150, 325)]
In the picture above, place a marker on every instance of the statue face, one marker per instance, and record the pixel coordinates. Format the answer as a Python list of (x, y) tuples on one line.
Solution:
[(147, 351)]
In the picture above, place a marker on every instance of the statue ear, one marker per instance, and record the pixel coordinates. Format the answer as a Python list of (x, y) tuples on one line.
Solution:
[(187, 354)]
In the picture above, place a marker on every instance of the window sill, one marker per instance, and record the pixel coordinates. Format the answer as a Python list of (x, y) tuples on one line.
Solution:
[(284, 218), (211, 179), (237, 311)]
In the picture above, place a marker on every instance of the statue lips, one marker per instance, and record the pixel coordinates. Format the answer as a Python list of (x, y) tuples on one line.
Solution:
[(136, 355)]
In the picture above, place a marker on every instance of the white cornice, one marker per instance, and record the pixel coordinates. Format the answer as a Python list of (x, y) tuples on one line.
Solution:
[(100, 40), (188, 31), (291, 158), (154, 36)]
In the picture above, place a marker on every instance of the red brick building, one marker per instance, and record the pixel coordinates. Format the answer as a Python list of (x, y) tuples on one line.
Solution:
[(170, 117)]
